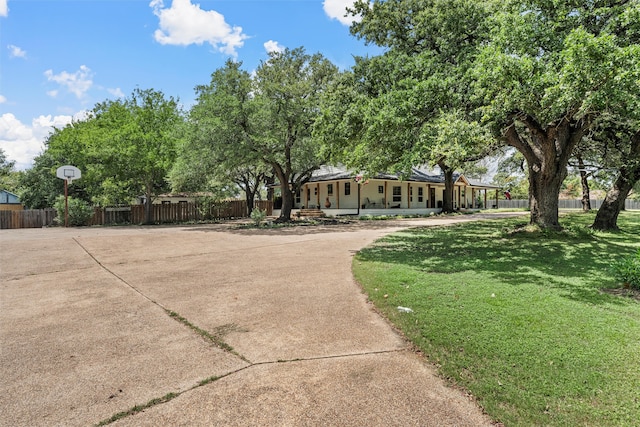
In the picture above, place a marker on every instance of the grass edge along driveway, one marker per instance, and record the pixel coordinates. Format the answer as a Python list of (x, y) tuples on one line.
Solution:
[(517, 316)]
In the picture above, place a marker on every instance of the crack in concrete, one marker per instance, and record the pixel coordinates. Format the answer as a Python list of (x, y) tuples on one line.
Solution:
[(172, 395), (217, 342)]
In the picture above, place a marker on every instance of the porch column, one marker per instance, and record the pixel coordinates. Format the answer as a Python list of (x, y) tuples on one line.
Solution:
[(466, 197), (337, 194), (386, 202), (428, 195), (408, 195), (318, 196)]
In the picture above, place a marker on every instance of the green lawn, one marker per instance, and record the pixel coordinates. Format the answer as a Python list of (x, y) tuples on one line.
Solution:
[(518, 317)]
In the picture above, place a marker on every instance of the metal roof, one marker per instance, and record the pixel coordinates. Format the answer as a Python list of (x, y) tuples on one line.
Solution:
[(334, 173)]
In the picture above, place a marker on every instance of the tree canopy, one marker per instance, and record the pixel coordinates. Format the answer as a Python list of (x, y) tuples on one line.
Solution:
[(411, 105), (9, 177), (124, 148), (254, 124), (547, 72), (214, 157), (535, 74)]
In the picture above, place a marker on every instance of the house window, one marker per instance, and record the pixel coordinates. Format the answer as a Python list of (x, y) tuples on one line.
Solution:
[(330, 189), (380, 189), (410, 194), (315, 191), (298, 197), (397, 194), (420, 194), (347, 188)]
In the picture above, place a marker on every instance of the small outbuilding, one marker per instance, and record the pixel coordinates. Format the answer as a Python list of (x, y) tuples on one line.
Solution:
[(10, 201)]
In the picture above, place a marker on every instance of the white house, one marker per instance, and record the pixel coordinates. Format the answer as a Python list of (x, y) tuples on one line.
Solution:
[(337, 191)]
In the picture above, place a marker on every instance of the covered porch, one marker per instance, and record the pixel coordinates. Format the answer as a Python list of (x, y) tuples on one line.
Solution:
[(337, 192)]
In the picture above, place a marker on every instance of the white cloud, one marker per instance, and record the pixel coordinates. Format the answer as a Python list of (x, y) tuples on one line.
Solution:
[(117, 92), (4, 10), (77, 83), (273, 46), (185, 23), (16, 52), (52, 93), (2, 99), (21, 142), (337, 9)]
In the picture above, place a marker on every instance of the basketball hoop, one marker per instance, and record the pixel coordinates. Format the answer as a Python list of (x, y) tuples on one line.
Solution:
[(68, 173)]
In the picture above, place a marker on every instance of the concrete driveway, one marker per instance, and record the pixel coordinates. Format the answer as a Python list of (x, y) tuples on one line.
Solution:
[(223, 326)]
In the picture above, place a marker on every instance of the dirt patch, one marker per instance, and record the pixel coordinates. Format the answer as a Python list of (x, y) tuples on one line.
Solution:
[(624, 292)]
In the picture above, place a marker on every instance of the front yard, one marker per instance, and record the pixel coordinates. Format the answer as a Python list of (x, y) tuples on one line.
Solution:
[(519, 318)]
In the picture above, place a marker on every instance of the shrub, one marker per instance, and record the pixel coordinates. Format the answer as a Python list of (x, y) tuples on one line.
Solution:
[(258, 215), (627, 270), (79, 211)]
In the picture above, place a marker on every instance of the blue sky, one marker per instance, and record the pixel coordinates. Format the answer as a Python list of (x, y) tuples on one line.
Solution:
[(59, 58)]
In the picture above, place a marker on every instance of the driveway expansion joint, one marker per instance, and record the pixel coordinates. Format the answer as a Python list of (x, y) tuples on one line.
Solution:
[(213, 339), (172, 395), (328, 357), (120, 279)]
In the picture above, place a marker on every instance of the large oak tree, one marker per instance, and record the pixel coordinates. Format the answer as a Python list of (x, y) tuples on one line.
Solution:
[(538, 72), (214, 154), (548, 71), (411, 105), (621, 149), (265, 119)]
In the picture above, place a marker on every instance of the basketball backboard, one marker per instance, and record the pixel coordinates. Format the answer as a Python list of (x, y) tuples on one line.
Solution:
[(68, 172)]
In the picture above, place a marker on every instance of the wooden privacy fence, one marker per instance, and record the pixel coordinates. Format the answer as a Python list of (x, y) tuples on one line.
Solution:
[(164, 213), (32, 218), (176, 212)]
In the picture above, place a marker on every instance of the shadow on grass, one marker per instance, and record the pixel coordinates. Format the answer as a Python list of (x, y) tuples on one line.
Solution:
[(575, 261)]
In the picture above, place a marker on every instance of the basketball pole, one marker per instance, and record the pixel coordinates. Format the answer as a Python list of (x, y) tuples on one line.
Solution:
[(66, 204)]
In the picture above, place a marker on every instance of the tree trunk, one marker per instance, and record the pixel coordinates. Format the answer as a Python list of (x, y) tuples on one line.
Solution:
[(287, 203), (547, 151), (249, 193), (586, 195), (286, 193), (607, 216), (148, 205), (447, 202), (148, 213), (543, 197), (249, 197)]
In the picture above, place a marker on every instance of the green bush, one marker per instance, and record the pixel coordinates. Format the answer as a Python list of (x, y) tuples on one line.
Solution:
[(258, 215), (627, 270), (79, 211)]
